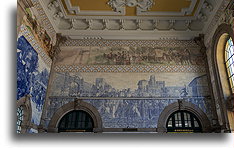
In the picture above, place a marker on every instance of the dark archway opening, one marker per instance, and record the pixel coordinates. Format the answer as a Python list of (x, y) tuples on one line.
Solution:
[(76, 121), (183, 122)]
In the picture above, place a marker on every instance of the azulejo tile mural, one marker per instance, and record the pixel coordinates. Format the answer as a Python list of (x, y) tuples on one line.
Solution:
[(130, 85), (32, 77), (125, 113), (130, 56)]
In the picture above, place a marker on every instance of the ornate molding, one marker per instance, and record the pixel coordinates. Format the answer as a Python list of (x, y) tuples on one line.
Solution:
[(59, 12), (183, 12), (76, 10), (142, 6), (45, 21), (218, 19), (87, 26)]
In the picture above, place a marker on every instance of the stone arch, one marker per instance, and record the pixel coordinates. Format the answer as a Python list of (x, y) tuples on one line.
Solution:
[(221, 84), (186, 106), (76, 105), (25, 102)]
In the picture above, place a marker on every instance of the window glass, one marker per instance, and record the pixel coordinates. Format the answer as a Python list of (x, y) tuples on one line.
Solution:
[(183, 121), (229, 60), (76, 121)]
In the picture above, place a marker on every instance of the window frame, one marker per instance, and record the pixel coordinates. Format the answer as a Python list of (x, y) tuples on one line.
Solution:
[(229, 62), (183, 128), (72, 119)]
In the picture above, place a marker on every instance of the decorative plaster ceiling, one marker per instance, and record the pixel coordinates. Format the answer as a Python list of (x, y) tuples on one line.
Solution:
[(130, 19)]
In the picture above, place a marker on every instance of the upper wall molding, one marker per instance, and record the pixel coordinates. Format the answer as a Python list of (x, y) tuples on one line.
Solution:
[(119, 8), (142, 7), (45, 21), (223, 15), (136, 27), (133, 43)]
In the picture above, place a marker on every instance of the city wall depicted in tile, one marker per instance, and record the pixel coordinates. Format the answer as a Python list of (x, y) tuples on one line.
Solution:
[(32, 76), (130, 85)]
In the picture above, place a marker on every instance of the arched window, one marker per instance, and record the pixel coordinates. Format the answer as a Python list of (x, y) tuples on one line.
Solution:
[(20, 118), (76, 121), (183, 121), (229, 61)]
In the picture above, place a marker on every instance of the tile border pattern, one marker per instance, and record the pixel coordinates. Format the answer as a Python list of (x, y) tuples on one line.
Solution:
[(45, 21), (130, 69), (134, 43)]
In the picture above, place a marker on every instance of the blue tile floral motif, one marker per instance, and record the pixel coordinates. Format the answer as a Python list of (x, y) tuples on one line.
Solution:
[(32, 77)]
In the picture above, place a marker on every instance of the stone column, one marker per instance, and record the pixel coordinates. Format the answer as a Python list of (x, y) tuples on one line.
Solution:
[(53, 53), (204, 50)]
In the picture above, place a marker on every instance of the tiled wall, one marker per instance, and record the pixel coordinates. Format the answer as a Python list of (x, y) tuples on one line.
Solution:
[(129, 86), (32, 72)]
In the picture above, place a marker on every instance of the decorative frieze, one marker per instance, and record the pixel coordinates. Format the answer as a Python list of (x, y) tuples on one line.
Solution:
[(134, 69), (44, 19), (56, 10), (136, 43)]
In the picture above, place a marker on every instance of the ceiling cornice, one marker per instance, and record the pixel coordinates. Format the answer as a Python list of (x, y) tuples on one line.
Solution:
[(127, 27)]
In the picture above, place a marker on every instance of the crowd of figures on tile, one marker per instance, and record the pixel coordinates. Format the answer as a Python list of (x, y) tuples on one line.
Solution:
[(132, 56), (67, 84), (149, 55), (32, 76), (125, 113)]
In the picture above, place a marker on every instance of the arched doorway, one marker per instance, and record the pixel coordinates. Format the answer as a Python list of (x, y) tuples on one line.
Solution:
[(183, 122), (76, 121)]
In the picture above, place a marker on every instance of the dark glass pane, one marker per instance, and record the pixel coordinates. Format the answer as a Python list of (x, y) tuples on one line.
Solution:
[(76, 121)]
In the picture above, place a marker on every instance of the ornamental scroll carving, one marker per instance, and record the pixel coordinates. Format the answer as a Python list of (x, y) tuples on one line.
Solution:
[(118, 5)]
